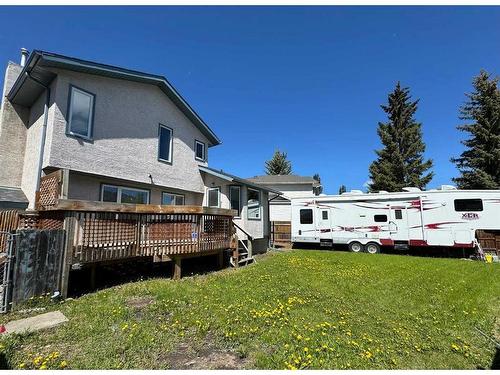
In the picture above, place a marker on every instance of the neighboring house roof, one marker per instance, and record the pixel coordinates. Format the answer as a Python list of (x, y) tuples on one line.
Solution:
[(283, 179), (25, 91), (12, 198), (233, 178)]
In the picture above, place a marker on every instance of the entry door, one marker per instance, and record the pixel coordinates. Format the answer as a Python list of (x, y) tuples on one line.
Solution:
[(398, 223), (324, 221)]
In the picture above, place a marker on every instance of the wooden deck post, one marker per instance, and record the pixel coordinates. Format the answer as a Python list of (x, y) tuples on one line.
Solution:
[(69, 227), (93, 268), (220, 259), (177, 268)]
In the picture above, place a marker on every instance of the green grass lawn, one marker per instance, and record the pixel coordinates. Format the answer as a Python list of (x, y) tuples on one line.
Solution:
[(295, 309)]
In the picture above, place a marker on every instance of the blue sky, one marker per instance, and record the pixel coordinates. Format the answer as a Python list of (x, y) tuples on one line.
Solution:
[(306, 80)]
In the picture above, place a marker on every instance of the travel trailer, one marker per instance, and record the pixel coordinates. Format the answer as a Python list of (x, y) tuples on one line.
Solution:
[(444, 217)]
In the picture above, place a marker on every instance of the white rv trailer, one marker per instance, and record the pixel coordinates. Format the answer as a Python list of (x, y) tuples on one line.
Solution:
[(444, 217)]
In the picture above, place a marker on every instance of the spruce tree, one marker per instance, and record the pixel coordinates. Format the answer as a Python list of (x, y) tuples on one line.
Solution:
[(278, 164), (342, 189), (318, 189), (400, 162), (479, 164)]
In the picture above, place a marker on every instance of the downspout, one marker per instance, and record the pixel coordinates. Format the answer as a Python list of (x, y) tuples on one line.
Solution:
[(44, 130)]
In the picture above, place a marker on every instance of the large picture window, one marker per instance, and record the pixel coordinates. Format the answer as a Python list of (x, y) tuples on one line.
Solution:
[(253, 204), (213, 197), (165, 143), (171, 199), (121, 194), (235, 198), (80, 113)]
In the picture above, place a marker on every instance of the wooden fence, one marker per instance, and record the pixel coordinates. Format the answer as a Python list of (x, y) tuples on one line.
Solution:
[(281, 233), (489, 240), (8, 222)]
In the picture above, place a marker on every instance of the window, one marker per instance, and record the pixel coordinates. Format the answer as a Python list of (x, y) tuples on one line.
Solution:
[(121, 194), (253, 204), (165, 144), (213, 197), (380, 218), (199, 149), (80, 112), (398, 214), (468, 205), (306, 216), (235, 198), (324, 215), (171, 199)]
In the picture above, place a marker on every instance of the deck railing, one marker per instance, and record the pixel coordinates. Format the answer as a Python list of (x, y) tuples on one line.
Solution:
[(98, 231)]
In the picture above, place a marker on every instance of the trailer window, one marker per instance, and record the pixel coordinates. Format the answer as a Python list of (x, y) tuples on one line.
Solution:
[(398, 214), (380, 218), (324, 215), (306, 216), (468, 205)]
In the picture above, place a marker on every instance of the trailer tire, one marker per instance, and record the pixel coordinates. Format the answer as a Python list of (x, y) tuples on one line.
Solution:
[(372, 248), (355, 247)]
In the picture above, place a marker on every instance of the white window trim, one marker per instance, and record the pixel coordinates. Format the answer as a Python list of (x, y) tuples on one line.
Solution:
[(175, 195), (90, 124), (171, 143), (218, 196), (239, 198), (260, 206), (119, 192), (196, 143)]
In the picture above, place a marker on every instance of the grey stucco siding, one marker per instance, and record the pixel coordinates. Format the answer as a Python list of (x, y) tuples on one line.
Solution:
[(125, 134), (258, 228), (13, 121), (86, 187)]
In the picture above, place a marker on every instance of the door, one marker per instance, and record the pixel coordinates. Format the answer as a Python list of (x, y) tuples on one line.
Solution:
[(324, 221), (398, 223)]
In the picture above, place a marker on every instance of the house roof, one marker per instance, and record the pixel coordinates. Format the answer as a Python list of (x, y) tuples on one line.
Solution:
[(12, 198), (283, 179), (233, 178), (25, 91)]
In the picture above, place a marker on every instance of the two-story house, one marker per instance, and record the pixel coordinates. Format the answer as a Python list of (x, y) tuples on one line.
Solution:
[(119, 136)]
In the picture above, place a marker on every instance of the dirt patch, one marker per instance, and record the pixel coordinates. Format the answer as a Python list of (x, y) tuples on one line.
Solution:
[(206, 357), (139, 304)]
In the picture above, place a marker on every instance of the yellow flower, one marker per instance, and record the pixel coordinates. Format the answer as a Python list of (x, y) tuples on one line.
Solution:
[(63, 364), (22, 365)]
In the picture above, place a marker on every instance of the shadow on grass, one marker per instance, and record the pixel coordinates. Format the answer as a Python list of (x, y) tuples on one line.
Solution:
[(136, 269), (495, 364)]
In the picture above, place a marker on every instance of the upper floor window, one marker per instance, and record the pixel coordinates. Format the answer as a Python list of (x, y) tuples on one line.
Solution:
[(172, 199), (122, 194), (165, 143), (253, 204), (235, 198), (199, 150), (80, 112), (214, 197)]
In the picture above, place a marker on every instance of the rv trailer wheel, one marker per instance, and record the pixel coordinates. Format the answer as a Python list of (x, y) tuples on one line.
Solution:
[(372, 248), (355, 247)]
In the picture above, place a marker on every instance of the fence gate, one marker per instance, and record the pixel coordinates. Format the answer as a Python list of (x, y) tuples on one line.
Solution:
[(7, 240), (281, 234)]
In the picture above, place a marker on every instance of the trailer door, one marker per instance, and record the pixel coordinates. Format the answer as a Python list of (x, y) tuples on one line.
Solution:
[(324, 221), (398, 224)]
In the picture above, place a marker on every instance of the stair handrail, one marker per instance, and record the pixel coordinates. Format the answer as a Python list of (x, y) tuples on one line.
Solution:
[(244, 231)]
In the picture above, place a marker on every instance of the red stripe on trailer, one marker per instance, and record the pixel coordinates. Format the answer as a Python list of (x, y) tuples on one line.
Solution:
[(418, 243), (456, 244), (386, 242)]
